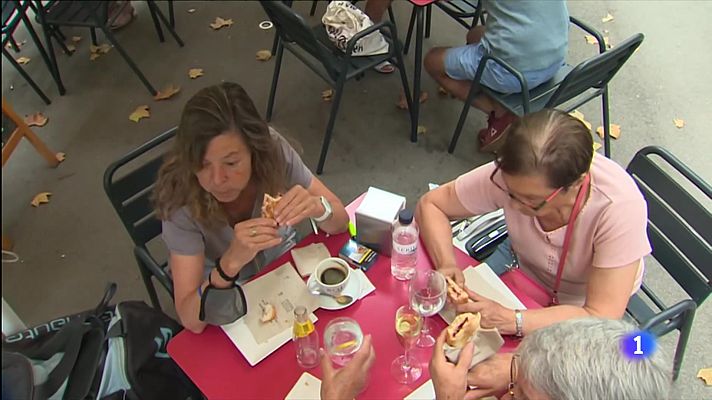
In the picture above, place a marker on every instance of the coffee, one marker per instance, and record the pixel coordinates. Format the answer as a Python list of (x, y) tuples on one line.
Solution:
[(332, 276)]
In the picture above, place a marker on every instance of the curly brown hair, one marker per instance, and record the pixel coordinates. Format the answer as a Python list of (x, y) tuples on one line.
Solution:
[(211, 112)]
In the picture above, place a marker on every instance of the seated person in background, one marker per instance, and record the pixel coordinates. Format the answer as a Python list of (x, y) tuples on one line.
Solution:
[(546, 166), (209, 195), (531, 36), (575, 359)]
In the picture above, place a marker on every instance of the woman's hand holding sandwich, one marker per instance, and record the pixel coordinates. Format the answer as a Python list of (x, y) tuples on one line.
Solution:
[(494, 315)]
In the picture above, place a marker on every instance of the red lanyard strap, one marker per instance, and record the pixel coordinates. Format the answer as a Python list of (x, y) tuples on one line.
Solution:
[(580, 197)]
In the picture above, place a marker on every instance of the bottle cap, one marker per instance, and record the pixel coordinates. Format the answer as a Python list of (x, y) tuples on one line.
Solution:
[(405, 216)]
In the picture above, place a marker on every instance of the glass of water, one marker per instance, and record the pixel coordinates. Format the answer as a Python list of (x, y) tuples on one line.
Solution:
[(427, 292), (342, 339)]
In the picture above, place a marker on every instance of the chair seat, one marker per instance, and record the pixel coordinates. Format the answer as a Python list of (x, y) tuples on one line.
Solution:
[(640, 312), (539, 96), (8, 10), (76, 13), (459, 8)]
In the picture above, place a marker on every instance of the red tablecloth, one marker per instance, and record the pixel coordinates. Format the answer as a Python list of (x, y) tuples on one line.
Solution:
[(219, 370), (422, 3)]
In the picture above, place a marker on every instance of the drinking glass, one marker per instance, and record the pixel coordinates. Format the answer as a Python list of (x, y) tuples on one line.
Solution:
[(342, 339), (405, 368), (427, 292)]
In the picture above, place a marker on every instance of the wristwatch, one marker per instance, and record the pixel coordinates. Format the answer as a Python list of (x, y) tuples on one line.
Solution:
[(328, 211), (519, 323)]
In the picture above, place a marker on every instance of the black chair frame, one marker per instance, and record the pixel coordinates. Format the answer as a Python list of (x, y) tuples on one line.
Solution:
[(459, 10), (130, 195), (680, 232), (313, 48)]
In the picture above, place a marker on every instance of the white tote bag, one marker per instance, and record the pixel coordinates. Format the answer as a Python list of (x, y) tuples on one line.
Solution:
[(343, 20)]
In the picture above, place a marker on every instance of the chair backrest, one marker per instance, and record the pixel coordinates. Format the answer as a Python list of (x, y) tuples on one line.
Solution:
[(292, 28), (595, 72), (130, 193), (679, 223)]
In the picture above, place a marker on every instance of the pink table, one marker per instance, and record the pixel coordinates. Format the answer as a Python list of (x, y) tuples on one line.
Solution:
[(214, 364)]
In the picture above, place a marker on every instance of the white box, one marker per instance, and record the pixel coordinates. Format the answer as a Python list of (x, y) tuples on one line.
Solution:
[(375, 217)]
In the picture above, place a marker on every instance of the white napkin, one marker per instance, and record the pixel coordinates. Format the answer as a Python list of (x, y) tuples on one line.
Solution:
[(366, 285), (307, 387)]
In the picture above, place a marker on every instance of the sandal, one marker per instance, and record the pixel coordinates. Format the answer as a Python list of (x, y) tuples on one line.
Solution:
[(492, 137), (126, 14), (385, 68)]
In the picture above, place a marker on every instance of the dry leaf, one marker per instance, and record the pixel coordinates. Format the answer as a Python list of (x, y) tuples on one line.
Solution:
[(327, 94), (191, 10), (606, 42), (579, 115), (706, 375), (263, 55), (60, 156), (139, 112), (591, 39), (615, 131), (422, 130), (195, 72), (442, 91), (72, 48), (596, 146), (23, 60), (40, 198), (94, 56), (104, 48), (36, 119), (219, 23), (167, 92), (76, 39), (607, 18), (679, 123)]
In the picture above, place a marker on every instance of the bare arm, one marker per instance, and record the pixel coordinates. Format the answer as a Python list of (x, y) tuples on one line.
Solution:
[(433, 213), (339, 221)]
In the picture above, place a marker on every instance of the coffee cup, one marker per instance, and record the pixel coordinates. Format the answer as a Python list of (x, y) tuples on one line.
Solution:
[(330, 277)]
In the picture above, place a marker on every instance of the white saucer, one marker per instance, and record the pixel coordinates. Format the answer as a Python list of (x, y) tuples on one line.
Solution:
[(353, 288)]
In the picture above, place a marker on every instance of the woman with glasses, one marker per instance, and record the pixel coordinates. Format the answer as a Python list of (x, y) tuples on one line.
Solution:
[(557, 194)]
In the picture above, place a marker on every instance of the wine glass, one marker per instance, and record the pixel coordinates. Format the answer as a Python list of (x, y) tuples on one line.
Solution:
[(427, 292), (408, 324), (342, 338)]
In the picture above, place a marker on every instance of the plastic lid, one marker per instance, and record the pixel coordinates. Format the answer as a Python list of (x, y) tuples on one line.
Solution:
[(405, 216)]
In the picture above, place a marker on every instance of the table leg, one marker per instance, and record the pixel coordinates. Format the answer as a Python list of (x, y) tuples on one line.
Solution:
[(417, 68)]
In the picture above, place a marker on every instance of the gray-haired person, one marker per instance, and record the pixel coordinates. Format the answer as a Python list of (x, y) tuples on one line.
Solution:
[(574, 359)]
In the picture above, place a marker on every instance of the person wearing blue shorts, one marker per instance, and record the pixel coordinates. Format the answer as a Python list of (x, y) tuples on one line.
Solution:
[(532, 36)]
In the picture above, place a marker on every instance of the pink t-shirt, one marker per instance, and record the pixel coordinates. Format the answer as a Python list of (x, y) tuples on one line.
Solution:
[(610, 231)]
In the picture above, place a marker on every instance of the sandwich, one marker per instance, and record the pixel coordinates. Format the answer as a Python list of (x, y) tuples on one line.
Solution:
[(462, 329), (268, 205), (456, 294)]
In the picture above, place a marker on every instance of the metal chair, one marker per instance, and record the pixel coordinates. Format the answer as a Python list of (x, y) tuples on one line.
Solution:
[(315, 50), (680, 231), (459, 10), (582, 83), (130, 194), (14, 12), (94, 15)]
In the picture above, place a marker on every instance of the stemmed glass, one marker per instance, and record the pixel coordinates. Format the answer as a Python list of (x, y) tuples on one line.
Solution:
[(405, 368), (427, 293)]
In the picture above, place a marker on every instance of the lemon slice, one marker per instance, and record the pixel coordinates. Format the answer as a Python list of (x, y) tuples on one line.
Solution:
[(403, 327)]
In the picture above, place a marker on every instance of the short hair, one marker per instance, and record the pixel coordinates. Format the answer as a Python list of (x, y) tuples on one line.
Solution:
[(582, 359), (548, 142)]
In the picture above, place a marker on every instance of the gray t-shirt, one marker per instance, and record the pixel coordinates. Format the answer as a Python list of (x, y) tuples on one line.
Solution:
[(183, 235), (530, 35)]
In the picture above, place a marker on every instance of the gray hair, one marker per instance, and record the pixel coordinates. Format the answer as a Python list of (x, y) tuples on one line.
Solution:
[(582, 359)]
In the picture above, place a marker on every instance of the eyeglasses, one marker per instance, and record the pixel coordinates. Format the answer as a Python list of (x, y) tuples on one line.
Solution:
[(520, 201), (512, 378)]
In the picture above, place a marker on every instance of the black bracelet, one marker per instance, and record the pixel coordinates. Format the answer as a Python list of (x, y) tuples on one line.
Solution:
[(223, 274)]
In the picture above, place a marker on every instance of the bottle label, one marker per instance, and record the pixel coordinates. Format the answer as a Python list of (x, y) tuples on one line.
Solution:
[(405, 248), (303, 329)]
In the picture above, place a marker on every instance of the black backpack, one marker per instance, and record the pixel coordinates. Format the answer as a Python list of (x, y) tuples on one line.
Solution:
[(111, 352)]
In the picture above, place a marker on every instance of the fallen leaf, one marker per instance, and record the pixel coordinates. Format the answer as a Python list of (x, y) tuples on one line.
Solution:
[(423, 97), (422, 130), (596, 146), (139, 112), (327, 94), (442, 91), (23, 60), (605, 31), (706, 375), (591, 39), (263, 55), (579, 115), (191, 10), (607, 18), (40, 198), (606, 42), (72, 48), (76, 39), (195, 72), (19, 44), (94, 56), (60, 156), (219, 23), (104, 48), (615, 131), (167, 92), (679, 123), (36, 119)]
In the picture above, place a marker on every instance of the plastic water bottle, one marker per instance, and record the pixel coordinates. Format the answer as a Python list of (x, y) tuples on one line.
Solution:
[(404, 252), (306, 339)]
